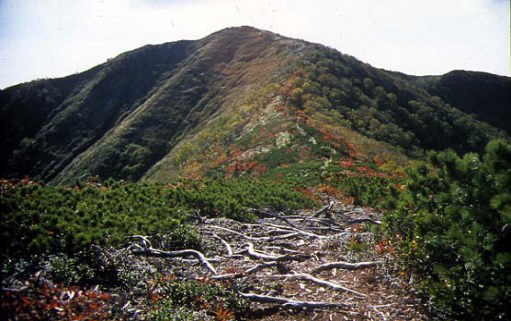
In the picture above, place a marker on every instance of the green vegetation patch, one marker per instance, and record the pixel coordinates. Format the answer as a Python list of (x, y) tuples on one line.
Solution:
[(192, 300), (453, 222), (38, 219)]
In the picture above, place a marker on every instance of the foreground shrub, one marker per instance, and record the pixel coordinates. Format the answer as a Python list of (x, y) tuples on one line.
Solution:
[(454, 220), (39, 302), (176, 300)]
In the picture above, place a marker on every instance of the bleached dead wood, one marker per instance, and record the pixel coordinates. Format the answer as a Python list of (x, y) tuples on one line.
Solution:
[(325, 229), (251, 238), (247, 272), (283, 249), (144, 239), (329, 284), (345, 265), (363, 220), (297, 230), (279, 216), (290, 303), (261, 266), (325, 208), (249, 249), (147, 249), (224, 242)]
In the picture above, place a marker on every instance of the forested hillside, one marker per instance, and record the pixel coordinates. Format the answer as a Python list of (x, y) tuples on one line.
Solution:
[(241, 96)]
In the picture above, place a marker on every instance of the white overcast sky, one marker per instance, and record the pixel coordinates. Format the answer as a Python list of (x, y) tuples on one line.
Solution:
[(53, 38)]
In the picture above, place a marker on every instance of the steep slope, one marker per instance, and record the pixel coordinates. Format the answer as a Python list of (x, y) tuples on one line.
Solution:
[(47, 123), (484, 95), (240, 101)]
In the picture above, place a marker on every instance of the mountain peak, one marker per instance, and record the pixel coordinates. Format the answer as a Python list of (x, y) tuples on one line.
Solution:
[(242, 101)]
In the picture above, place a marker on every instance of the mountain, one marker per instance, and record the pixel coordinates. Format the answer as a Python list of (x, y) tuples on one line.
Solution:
[(484, 95), (241, 101)]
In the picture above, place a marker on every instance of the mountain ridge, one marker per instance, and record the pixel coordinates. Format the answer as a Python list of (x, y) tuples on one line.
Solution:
[(151, 113)]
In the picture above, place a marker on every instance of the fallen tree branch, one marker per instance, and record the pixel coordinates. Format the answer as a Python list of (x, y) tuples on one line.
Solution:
[(251, 270), (224, 242), (285, 302), (326, 208), (180, 253), (326, 229), (276, 216), (282, 249), (145, 240), (249, 249), (345, 265), (329, 284), (363, 220), (251, 238), (297, 230), (261, 266)]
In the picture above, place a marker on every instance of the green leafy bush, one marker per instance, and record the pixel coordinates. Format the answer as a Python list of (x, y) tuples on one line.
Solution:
[(454, 221), (202, 296)]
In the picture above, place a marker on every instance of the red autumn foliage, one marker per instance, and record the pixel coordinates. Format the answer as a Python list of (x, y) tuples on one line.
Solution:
[(308, 193), (346, 163), (51, 302), (301, 117), (384, 246), (330, 191), (244, 167)]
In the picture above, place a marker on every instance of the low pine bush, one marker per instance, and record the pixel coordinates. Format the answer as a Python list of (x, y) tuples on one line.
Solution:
[(454, 223)]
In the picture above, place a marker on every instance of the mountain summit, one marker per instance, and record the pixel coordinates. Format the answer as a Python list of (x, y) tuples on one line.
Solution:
[(240, 101)]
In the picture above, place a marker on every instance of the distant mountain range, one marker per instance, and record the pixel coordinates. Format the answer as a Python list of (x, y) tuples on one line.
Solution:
[(239, 102)]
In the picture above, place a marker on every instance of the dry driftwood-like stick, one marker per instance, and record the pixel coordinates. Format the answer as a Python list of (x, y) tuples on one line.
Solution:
[(145, 240), (261, 266), (251, 238), (345, 265), (332, 285), (276, 216), (326, 229), (251, 270), (325, 208), (329, 284), (363, 220), (283, 249), (382, 315), (297, 230), (285, 302), (325, 221), (249, 249), (180, 253), (224, 242)]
